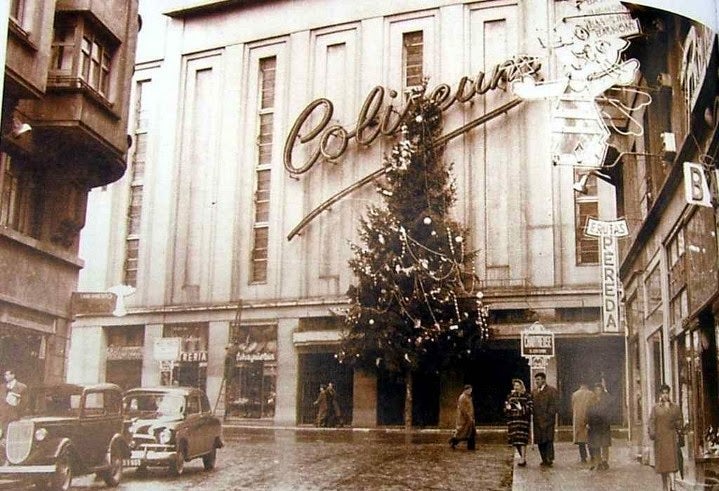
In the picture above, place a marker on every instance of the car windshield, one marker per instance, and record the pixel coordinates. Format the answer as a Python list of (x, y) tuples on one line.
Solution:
[(54, 401), (138, 405)]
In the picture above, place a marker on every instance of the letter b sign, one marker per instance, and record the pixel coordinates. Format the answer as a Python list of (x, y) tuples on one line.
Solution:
[(696, 186)]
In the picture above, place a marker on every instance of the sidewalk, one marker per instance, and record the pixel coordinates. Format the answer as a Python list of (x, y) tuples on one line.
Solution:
[(624, 472)]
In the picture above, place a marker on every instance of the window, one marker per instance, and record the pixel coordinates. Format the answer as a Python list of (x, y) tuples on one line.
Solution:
[(586, 205), (193, 405), (137, 170), (265, 123), (17, 10), (412, 58), (19, 197), (678, 298), (81, 58), (63, 48)]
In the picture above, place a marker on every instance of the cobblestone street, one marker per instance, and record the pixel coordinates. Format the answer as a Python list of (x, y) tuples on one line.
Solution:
[(280, 459)]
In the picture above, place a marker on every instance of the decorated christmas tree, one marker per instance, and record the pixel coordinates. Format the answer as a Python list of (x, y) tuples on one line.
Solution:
[(415, 304)]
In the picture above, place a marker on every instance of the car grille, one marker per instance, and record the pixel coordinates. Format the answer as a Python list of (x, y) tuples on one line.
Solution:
[(19, 441)]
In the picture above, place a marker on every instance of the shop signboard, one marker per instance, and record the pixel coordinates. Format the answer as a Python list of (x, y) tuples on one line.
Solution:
[(166, 349), (610, 283), (696, 185), (537, 345), (193, 356), (607, 231)]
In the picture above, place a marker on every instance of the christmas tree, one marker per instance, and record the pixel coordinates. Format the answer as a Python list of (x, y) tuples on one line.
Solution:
[(415, 304)]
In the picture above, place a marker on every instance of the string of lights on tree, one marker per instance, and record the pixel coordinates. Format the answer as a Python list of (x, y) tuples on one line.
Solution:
[(415, 303)]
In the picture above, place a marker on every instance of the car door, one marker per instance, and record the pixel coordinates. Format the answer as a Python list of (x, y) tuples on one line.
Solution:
[(210, 424), (97, 425), (193, 424)]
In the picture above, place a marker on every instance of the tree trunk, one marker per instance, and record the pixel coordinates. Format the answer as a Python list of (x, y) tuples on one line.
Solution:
[(408, 400)]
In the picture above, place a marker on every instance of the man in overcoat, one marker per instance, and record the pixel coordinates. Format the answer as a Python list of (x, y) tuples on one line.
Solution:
[(546, 404), (600, 431), (581, 399), (465, 429)]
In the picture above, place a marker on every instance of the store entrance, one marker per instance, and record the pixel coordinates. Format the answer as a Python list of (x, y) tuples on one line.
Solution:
[(20, 351), (391, 391), (491, 378), (317, 369)]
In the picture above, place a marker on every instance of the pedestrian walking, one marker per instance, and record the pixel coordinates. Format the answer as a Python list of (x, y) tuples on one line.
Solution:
[(13, 399), (665, 424), (465, 429), (334, 415), (321, 404), (581, 399), (599, 427), (546, 404), (518, 411)]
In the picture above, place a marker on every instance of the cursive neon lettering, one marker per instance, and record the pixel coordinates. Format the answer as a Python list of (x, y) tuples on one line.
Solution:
[(378, 116)]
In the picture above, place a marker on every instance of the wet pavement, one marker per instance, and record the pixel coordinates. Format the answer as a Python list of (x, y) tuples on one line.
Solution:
[(310, 459), (568, 473)]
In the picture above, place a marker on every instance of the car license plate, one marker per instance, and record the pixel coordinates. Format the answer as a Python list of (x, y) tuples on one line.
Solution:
[(131, 463)]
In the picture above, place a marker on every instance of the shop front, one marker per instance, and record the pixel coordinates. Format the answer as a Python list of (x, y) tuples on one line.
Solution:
[(124, 355), (251, 372), (22, 350), (191, 368), (692, 256)]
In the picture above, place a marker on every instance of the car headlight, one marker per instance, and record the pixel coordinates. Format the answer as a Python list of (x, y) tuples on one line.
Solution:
[(40, 434), (165, 436)]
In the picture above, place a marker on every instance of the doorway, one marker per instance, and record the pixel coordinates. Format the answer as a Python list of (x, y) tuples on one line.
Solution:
[(491, 377), (317, 369)]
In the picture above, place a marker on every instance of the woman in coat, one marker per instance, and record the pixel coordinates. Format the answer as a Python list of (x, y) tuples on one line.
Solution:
[(599, 429), (518, 411), (465, 429), (665, 422)]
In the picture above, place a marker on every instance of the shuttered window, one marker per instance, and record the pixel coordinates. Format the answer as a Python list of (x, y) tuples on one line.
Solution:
[(265, 129), (412, 57)]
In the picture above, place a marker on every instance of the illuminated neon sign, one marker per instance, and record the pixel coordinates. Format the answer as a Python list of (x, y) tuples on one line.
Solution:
[(587, 46), (377, 117)]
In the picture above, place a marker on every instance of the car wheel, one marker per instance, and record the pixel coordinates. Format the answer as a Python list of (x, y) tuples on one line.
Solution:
[(113, 474), (209, 460), (177, 466), (62, 478)]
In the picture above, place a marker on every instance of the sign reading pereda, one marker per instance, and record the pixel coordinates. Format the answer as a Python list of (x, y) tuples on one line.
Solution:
[(167, 349), (607, 232), (610, 283)]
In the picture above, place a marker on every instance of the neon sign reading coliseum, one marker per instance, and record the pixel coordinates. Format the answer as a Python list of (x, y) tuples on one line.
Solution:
[(379, 117)]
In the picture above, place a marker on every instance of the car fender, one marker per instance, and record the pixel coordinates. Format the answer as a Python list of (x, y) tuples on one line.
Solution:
[(76, 461), (118, 440)]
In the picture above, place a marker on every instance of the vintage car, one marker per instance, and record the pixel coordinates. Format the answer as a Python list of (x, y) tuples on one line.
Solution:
[(66, 430), (168, 426)]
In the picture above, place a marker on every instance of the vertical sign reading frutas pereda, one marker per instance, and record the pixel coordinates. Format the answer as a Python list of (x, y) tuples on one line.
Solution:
[(608, 231)]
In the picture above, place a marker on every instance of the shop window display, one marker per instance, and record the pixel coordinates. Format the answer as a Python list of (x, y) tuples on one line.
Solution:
[(251, 372), (191, 368)]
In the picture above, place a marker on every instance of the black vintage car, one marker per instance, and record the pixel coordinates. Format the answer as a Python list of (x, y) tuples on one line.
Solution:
[(66, 430), (168, 426)]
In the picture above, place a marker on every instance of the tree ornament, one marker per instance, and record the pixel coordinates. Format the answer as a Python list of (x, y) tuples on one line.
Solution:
[(427, 220)]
